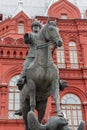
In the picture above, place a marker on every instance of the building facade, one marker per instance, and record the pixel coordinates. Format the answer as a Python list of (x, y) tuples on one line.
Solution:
[(71, 60)]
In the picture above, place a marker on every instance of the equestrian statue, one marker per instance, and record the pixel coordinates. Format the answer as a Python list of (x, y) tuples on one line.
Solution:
[(42, 78)]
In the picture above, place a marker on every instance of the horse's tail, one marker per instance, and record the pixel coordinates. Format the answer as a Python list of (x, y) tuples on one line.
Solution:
[(33, 123), (81, 126)]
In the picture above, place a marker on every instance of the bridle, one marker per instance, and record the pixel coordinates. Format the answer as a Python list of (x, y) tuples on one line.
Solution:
[(51, 41)]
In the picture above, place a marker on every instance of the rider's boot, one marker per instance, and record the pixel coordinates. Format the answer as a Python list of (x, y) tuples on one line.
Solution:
[(18, 112), (20, 83)]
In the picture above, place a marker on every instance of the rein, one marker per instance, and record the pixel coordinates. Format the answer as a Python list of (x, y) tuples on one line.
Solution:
[(45, 45), (52, 39)]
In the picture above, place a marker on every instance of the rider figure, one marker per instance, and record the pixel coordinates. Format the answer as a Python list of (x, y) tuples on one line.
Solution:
[(35, 26)]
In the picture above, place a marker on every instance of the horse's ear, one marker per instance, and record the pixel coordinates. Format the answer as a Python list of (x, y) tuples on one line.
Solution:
[(55, 21), (48, 20)]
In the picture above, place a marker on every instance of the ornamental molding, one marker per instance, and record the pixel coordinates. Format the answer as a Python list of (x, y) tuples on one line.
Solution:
[(21, 16), (68, 37), (15, 70), (64, 7), (71, 74)]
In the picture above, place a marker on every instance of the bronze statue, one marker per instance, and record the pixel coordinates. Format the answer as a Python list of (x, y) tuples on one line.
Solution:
[(42, 74), (42, 80)]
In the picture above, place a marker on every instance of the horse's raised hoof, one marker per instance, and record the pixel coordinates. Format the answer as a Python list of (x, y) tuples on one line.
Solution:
[(20, 83)]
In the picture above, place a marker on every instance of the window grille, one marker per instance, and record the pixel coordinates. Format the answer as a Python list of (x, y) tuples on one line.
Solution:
[(13, 99), (73, 55), (71, 106), (61, 57), (21, 28)]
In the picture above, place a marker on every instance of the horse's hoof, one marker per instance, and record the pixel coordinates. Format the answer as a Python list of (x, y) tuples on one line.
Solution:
[(60, 114)]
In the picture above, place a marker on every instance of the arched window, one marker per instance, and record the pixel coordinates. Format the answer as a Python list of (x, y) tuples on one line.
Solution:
[(13, 99), (14, 54), (1, 53), (61, 57), (21, 54), (73, 55), (21, 28), (71, 106), (8, 53)]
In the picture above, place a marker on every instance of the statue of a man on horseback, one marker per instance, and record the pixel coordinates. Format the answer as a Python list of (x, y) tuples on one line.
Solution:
[(42, 74), (41, 80), (35, 26)]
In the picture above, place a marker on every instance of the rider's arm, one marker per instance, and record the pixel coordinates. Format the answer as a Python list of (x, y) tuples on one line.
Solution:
[(27, 38)]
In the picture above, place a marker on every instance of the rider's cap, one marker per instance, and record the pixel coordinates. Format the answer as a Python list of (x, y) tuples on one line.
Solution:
[(36, 23)]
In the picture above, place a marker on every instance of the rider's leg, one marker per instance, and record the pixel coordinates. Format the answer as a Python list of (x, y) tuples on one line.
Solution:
[(22, 77)]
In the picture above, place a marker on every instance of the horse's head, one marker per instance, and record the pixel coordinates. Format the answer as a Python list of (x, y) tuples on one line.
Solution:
[(51, 33)]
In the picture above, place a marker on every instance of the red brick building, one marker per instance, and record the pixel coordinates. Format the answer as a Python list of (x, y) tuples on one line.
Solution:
[(71, 59)]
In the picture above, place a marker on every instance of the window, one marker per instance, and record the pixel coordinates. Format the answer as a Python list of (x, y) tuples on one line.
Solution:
[(63, 16), (13, 100), (71, 106), (73, 55), (21, 28), (60, 57)]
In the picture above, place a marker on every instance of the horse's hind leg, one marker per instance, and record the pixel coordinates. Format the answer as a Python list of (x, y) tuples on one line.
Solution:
[(25, 110), (55, 87), (41, 107), (24, 104)]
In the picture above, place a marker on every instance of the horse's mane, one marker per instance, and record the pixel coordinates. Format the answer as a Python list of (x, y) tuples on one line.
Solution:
[(50, 23)]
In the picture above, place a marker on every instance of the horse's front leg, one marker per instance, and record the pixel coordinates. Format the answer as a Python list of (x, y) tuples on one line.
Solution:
[(32, 94), (55, 87)]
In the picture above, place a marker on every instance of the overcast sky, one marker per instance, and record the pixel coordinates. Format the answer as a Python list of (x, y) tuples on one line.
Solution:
[(34, 7)]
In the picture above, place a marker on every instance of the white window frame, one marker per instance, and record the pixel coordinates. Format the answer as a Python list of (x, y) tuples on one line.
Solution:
[(13, 98), (61, 57), (73, 55), (72, 108), (20, 28)]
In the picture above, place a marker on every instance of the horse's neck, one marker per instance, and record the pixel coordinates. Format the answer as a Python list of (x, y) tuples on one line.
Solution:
[(43, 55)]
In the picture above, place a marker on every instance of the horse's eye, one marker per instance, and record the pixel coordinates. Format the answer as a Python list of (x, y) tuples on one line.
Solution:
[(51, 29)]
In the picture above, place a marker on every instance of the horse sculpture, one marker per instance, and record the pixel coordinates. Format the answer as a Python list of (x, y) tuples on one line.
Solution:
[(42, 75)]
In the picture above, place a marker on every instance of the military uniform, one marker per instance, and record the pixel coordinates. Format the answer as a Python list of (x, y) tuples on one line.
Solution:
[(30, 57), (31, 53)]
